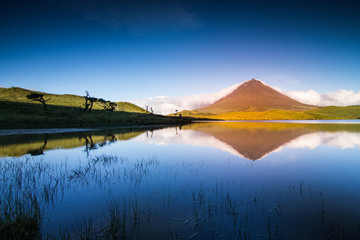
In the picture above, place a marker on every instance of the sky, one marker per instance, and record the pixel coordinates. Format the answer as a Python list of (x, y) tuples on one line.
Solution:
[(137, 50)]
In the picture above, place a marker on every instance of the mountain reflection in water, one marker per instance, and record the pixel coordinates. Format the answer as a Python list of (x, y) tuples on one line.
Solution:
[(250, 140), (255, 140)]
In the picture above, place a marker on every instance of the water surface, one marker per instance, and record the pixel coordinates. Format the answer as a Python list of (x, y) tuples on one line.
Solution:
[(209, 180)]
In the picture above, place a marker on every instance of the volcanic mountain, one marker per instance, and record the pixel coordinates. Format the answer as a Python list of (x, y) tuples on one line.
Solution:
[(253, 95)]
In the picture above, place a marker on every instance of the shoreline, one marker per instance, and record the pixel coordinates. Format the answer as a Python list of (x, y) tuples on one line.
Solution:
[(34, 131)]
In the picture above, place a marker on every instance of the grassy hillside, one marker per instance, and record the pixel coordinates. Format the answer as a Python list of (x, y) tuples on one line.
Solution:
[(16, 111), (27, 115), (129, 107), (350, 112), (16, 94), (333, 112)]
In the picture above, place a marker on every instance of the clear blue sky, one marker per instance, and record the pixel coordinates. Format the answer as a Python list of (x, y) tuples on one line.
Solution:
[(123, 50)]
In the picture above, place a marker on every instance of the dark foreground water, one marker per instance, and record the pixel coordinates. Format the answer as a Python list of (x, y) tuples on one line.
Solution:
[(238, 180)]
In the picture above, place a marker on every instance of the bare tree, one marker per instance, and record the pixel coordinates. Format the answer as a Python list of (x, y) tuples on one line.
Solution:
[(107, 105), (39, 98), (151, 110), (111, 106), (89, 102), (147, 108)]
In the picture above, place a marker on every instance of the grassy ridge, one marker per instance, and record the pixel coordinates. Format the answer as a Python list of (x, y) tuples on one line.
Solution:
[(320, 113), (16, 94)]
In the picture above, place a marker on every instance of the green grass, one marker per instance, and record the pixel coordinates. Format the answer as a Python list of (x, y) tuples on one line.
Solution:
[(20, 227), (334, 112), (129, 107), (27, 115), (318, 113)]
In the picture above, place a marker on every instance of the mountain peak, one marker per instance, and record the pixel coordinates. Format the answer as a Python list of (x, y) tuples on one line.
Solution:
[(253, 95), (253, 81)]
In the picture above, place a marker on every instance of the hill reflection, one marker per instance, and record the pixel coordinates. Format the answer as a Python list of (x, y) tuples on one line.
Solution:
[(18, 145)]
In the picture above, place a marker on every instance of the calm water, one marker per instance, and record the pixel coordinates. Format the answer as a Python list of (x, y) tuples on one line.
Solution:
[(225, 180)]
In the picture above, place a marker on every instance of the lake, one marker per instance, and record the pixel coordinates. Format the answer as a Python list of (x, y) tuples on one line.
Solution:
[(206, 180)]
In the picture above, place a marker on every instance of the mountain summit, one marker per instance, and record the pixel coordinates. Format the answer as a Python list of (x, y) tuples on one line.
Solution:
[(253, 95)]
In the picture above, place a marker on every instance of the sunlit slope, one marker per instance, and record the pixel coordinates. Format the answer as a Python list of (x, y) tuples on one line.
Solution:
[(16, 94), (335, 112)]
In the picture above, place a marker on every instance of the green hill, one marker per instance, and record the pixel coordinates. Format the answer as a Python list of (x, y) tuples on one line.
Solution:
[(16, 94), (129, 107), (16, 111)]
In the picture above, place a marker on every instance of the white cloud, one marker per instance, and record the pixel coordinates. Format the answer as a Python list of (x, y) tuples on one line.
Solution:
[(169, 136), (166, 105), (310, 141), (338, 98), (341, 140)]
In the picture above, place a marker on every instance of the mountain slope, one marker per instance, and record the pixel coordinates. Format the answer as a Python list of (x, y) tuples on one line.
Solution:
[(253, 95)]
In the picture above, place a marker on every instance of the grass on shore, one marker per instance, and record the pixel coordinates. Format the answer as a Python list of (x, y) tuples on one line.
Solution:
[(30, 115), (319, 113)]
